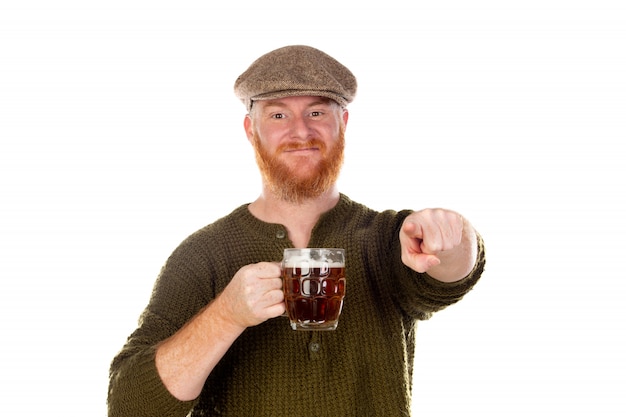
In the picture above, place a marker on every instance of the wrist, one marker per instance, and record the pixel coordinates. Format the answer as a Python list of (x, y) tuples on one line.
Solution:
[(224, 317)]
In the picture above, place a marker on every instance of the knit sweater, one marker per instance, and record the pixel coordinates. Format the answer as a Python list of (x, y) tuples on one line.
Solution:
[(363, 368)]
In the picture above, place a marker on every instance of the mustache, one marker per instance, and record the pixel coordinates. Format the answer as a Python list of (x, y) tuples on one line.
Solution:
[(310, 143)]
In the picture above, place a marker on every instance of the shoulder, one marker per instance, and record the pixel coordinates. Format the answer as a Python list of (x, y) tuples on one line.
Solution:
[(354, 210), (239, 217)]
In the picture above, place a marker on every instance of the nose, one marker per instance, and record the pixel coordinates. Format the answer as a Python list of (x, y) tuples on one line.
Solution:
[(300, 128)]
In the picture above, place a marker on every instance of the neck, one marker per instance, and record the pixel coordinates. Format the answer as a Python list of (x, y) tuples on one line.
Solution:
[(298, 218)]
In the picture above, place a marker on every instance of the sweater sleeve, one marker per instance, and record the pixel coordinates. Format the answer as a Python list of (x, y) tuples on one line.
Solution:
[(420, 295), (374, 236), (135, 387)]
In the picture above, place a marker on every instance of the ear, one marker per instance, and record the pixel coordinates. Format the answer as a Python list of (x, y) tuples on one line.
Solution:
[(345, 116), (247, 125)]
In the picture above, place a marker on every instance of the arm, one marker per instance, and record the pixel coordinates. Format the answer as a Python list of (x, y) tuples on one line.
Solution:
[(440, 242), (163, 364), (185, 360)]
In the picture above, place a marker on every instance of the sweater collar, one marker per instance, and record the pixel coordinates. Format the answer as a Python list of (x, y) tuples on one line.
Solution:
[(328, 219)]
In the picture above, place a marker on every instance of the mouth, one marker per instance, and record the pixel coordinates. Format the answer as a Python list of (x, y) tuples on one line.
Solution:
[(307, 148), (303, 150)]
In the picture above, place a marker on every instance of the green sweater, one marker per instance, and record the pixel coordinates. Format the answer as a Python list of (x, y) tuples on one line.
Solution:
[(363, 368)]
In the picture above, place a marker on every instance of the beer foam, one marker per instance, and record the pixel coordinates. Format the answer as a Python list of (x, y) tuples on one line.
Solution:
[(305, 263)]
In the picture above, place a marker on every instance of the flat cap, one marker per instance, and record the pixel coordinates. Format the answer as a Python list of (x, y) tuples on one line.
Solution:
[(295, 70)]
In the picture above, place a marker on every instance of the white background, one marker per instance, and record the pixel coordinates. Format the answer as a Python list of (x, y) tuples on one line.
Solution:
[(120, 135)]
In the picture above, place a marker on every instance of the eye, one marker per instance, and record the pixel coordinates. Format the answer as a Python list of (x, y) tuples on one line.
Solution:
[(277, 116), (316, 113)]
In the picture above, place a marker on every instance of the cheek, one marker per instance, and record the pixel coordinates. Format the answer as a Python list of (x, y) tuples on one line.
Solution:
[(334, 129), (270, 137), (263, 143)]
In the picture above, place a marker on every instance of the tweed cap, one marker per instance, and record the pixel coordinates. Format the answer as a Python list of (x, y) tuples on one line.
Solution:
[(295, 70)]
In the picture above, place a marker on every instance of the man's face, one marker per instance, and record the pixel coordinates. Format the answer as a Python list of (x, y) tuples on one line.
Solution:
[(299, 143)]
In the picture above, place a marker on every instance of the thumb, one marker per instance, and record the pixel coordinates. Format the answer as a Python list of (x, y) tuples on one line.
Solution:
[(413, 254), (420, 262)]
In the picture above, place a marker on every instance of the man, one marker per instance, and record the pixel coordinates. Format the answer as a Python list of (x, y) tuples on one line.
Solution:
[(212, 340)]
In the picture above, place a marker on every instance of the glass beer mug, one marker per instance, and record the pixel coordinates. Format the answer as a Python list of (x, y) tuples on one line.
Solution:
[(314, 284)]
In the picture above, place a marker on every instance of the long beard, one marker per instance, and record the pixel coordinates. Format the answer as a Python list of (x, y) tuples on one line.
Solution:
[(293, 185)]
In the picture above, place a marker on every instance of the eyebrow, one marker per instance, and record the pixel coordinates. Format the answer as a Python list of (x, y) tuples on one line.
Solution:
[(280, 103)]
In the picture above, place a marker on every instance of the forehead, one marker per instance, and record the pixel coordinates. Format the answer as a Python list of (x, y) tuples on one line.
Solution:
[(306, 101)]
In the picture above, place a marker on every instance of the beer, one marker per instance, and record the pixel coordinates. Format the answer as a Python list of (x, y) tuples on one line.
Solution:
[(314, 295)]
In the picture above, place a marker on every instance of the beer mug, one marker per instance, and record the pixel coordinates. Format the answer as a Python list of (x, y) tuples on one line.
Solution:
[(314, 284)]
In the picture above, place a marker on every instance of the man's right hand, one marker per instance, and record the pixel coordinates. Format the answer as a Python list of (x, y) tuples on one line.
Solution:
[(254, 295)]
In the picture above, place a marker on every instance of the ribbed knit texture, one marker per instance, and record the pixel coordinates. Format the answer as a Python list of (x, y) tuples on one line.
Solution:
[(364, 368)]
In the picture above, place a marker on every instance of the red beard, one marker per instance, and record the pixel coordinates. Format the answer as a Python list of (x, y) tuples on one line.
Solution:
[(293, 184)]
